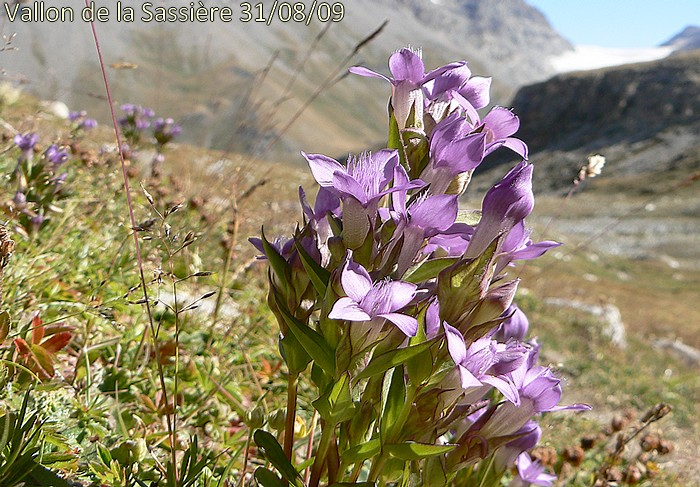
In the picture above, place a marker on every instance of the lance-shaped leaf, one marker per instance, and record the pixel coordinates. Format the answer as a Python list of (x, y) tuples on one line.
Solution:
[(428, 269), (336, 406), (312, 341), (318, 275), (416, 451), (362, 451), (268, 479), (275, 455), (392, 358), (277, 263), (393, 405)]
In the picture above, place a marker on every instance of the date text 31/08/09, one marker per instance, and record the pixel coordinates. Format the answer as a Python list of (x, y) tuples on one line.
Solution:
[(300, 12)]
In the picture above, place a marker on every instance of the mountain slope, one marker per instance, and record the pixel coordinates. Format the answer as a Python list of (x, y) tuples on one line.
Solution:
[(644, 117), (231, 83)]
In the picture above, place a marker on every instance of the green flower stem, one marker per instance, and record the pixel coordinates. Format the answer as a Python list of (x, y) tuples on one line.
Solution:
[(327, 430), (292, 382)]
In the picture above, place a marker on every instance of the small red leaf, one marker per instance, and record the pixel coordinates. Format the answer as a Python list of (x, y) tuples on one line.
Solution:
[(56, 342), (37, 330)]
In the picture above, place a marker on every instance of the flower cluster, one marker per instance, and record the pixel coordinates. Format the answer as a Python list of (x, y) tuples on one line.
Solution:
[(135, 124), (403, 301), (40, 183), (81, 121)]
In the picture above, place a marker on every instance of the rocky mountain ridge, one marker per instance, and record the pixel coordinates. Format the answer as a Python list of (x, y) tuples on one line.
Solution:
[(644, 117), (235, 84)]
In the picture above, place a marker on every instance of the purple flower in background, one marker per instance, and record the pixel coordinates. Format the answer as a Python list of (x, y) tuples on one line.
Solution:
[(75, 115), (371, 301), (26, 142), (165, 130), (56, 155), (87, 124), (408, 71), (531, 473), (505, 205)]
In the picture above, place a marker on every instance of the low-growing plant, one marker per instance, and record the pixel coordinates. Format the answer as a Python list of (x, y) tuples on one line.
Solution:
[(401, 305)]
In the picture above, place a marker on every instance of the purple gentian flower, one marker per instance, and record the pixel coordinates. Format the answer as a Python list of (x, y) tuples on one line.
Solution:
[(56, 155), (326, 204), (517, 245), (75, 115), (531, 473), (485, 362), (528, 437), (360, 185), (505, 205), (515, 325), (408, 71), (498, 125), (26, 142), (425, 217), (453, 150), (371, 301)]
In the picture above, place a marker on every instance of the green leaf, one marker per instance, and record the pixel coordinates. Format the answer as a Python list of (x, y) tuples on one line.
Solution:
[(428, 269), (394, 403), (318, 275), (294, 354), (312, 341), (277, 263), (415, 451), (336, 406), (362, 451), (268, 479), (392, 358), (274, 454)]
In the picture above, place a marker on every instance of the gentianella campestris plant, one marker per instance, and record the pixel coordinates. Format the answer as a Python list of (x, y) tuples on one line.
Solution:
[(399, 307)]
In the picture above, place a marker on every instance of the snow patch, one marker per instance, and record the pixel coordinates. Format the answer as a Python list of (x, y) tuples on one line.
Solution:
[(594, 57)]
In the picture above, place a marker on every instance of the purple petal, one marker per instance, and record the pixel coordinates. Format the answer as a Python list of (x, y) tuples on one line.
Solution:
[(407, 324), (401, 293), (455, 344), (432, 319), (501, 123), (347, 309), (535, 250), (467, 379), (347, 185), (436, 212), (476, 91), (355, 281), (406, 65), (508, 389), (362, 71), (323, 168)]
